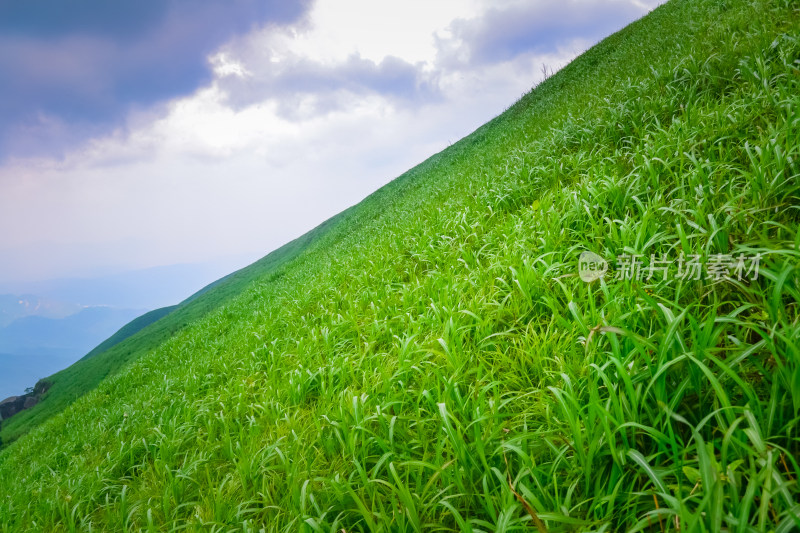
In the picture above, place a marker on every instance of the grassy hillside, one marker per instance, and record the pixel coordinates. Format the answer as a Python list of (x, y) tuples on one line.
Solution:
[(131, 328), (435, 363), (148, 331)]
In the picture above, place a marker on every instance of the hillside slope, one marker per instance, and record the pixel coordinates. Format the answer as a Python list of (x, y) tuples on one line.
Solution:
[(437, 363), (148, 331), (131, 328)]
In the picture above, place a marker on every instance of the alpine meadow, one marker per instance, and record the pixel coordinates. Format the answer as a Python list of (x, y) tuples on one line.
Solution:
[(437, 359)]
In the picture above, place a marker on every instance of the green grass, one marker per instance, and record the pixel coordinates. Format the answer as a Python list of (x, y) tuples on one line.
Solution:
[(148, 331), (434, 363), (131, 328)]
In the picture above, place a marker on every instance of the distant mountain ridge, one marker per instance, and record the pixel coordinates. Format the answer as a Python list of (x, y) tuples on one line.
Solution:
[(15, 306), (147, 288), (78, 332), (37, 346)]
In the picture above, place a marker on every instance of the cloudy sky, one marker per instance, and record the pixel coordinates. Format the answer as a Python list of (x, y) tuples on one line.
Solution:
[(157, 132)]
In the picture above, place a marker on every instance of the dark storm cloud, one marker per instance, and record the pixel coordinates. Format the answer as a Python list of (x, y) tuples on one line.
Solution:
[(79, 67), (539, 27)]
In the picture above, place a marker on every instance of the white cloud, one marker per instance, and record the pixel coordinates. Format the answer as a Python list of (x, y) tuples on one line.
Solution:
[(371, 29)]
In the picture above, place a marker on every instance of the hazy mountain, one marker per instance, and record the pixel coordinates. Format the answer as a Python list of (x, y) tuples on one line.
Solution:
[(33, 347), (14, 306), (148, 288)]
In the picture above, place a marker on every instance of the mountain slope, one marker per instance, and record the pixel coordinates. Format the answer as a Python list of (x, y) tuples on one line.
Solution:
[(148, 331), (131, 328), (435, 362)]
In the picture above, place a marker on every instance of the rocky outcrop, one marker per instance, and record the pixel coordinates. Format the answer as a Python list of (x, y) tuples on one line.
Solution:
[(11, 406), (14, 404), (30, 401)]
